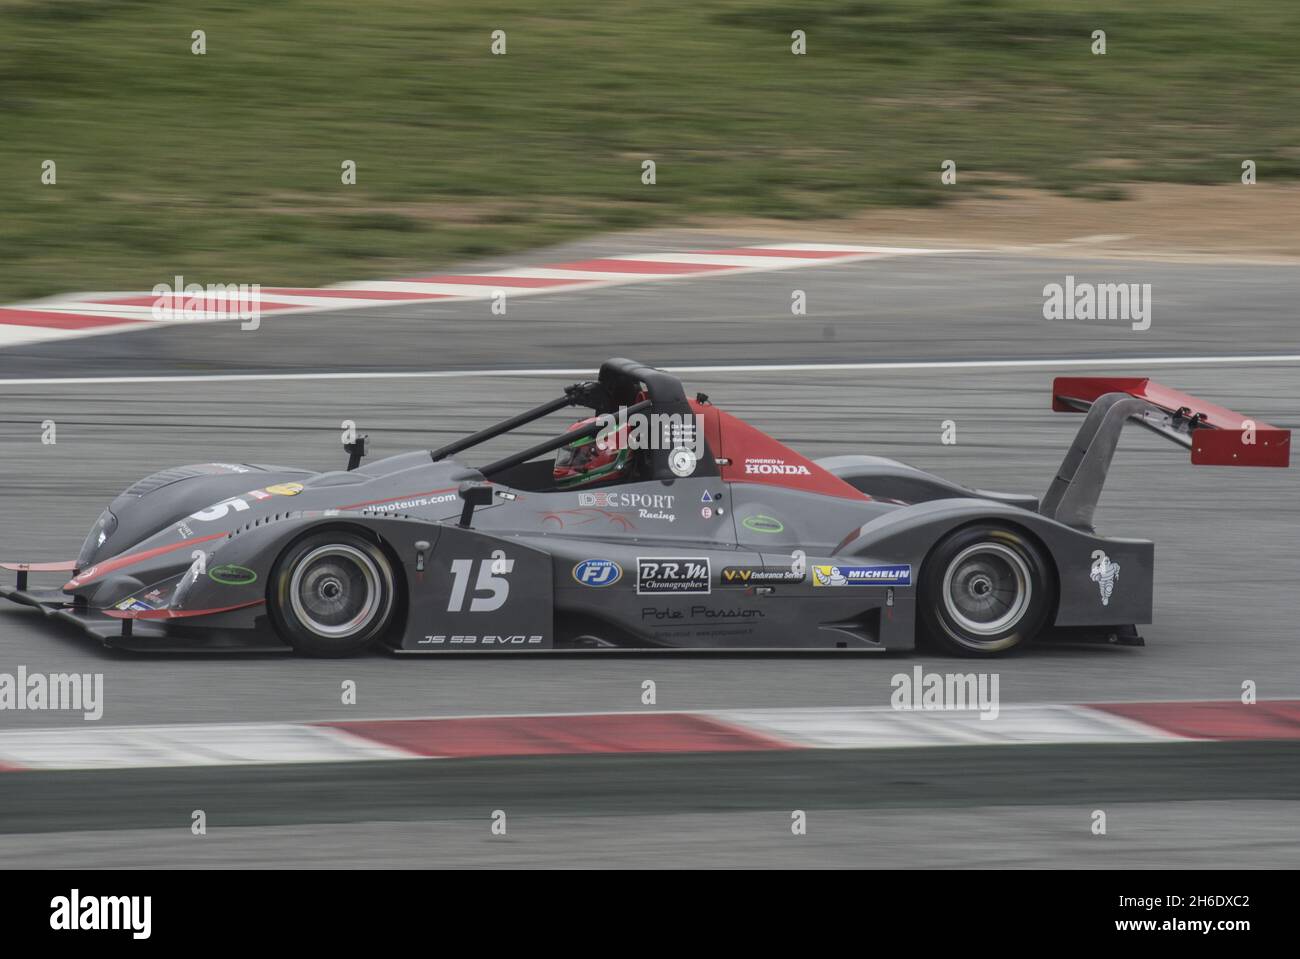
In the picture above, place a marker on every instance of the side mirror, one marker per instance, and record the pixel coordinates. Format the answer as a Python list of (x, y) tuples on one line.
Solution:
[(473, 494)]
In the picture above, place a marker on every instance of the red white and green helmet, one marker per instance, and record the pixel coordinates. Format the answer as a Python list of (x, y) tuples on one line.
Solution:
[(587, 461)]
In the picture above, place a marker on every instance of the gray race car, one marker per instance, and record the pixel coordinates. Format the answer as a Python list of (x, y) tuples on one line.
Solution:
[(712, 535)]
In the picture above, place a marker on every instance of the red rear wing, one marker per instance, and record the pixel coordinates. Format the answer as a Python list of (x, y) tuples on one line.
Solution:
[(1215, 435)]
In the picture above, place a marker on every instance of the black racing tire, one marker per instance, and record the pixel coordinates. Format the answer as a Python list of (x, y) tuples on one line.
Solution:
[(985, 590), (332, 593)]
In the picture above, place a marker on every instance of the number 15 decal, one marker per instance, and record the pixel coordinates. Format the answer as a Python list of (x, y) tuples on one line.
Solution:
[(491, 580)]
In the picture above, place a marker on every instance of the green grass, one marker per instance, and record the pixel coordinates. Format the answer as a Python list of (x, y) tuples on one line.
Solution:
[(226, 167)]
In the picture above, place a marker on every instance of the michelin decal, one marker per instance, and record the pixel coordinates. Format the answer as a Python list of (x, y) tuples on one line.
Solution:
[(862, 575)]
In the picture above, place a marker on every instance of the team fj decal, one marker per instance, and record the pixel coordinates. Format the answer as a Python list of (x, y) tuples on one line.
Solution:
[(598, 572), (767, 466), (763, 524), (647, 505), (659, 575), (899, 575), (759, 575), (1104, 573)]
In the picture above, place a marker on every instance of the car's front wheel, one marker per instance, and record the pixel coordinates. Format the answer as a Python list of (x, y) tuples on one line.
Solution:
[(332, 593), (985, 590)]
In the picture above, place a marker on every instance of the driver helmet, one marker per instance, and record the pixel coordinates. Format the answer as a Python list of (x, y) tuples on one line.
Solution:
[(592, 460)]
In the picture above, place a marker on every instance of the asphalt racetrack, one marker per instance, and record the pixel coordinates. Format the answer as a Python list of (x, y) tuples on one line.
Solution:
[(1226, 566)]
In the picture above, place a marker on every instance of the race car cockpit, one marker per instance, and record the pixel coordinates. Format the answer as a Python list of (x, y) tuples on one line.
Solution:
[(624, 389)]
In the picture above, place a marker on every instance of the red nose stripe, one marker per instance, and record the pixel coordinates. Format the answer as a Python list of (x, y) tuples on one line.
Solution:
[(119, 562)]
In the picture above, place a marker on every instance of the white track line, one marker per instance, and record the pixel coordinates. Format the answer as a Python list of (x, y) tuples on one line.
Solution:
[(902, 366)]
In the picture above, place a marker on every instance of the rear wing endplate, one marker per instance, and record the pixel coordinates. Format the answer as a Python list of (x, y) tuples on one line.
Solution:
[(1216, 436)]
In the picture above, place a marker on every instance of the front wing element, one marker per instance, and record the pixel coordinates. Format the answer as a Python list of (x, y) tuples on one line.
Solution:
[(135, 631)]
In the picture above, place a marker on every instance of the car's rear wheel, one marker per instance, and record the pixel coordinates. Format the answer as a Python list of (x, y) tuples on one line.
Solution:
[(332, 593), (985, 590)]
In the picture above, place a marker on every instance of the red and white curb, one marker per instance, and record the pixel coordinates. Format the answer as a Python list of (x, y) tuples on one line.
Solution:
[(121, 747), (89, 314)]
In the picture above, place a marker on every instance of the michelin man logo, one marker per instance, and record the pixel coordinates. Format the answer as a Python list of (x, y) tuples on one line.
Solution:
[(829, 576), (1104, 573)]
